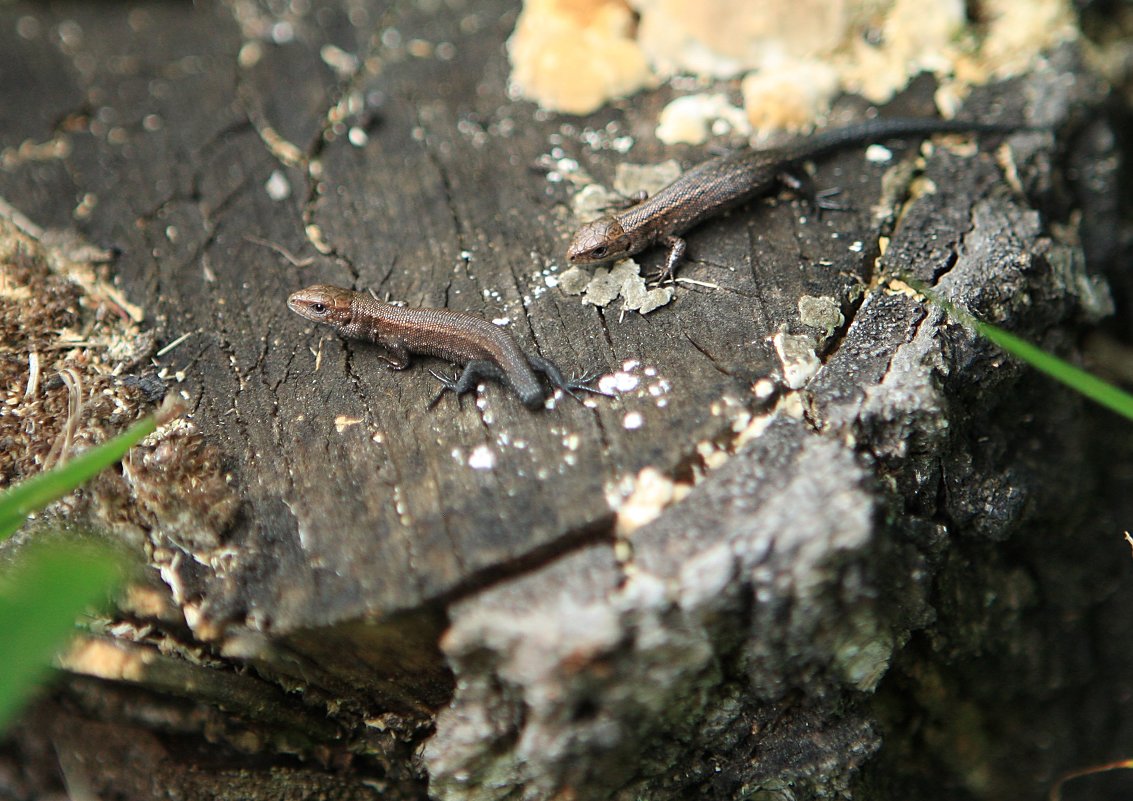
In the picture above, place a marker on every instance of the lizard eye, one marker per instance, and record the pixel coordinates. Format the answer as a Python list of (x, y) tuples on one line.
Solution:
[(599, 251), (319, 308)]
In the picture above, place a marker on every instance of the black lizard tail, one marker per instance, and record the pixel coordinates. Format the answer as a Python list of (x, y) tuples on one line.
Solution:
[(882, 129)]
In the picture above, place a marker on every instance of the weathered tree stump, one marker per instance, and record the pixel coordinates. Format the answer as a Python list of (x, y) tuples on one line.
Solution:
[(877, 571)]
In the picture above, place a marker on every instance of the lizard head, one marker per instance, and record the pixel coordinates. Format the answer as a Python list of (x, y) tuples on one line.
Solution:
[(599, 241), (323, 304)]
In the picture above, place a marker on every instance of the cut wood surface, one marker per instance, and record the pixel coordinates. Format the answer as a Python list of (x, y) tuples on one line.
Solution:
[(463, 590), (360, 499)]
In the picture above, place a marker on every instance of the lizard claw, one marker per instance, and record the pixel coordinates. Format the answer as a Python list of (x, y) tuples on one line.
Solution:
[(823, 201), (447, 385), (582, 384), (659, 277)]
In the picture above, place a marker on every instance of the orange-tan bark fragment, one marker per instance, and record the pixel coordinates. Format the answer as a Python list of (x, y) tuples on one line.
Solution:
[(575, 55)]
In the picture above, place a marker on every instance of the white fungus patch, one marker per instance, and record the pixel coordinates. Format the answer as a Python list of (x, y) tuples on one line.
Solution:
[(693, 118), (343, 422), (277, 186), (878, 154), (357, 136), (796, 354), (641, 499), (482, 458)]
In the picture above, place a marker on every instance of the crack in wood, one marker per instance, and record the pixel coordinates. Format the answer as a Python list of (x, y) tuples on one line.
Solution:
[(597, 534), (707, 355)]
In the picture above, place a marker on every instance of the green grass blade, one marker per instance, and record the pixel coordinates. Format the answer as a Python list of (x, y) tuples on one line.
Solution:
[(1074, 377), (1082, 382), (41, 594), (35, 493)]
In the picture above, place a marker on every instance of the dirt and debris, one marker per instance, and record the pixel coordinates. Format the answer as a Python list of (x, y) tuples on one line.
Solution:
[(75, 362), (607, 284), (174, 487), (66, 354), (574, 56)]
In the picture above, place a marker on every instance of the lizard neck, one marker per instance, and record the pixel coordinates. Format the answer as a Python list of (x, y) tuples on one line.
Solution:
[(368, 317)]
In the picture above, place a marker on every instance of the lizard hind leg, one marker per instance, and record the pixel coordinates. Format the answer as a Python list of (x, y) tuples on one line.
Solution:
[(447, 385), (473, 373), (569, 386), (815, 199)]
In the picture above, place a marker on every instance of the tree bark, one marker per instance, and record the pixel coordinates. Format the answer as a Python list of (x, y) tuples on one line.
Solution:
[(862, 557)]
